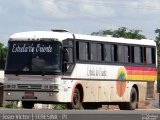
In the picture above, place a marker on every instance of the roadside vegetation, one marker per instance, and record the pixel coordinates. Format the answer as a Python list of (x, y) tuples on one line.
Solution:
[(10, 105), (59, 106)]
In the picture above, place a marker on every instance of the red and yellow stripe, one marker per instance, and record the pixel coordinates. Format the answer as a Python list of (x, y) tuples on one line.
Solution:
[(141, 73)]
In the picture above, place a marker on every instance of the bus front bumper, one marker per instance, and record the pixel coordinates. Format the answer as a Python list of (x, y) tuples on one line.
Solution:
[(32, 96)]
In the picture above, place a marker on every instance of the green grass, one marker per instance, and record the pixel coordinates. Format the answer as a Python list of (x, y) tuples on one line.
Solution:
[(10, 105)]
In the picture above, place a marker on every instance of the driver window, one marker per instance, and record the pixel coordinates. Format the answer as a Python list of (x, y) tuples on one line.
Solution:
[(68, 56), (65, 55)]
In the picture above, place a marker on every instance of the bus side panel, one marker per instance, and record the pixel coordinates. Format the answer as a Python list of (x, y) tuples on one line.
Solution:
[(96, 91), (90, 91), (104, 91)]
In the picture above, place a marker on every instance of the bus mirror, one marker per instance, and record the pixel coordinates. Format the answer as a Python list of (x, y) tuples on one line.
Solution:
[(65, 55)]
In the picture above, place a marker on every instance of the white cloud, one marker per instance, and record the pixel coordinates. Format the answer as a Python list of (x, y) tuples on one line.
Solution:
[(69, 8), (153, 4), (64, 9)]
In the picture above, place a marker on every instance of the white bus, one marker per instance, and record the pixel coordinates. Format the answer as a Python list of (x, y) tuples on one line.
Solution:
[(82, 71)]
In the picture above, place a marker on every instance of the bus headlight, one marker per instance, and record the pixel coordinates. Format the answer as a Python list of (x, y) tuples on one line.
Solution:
[(51, 94), (8, 94)]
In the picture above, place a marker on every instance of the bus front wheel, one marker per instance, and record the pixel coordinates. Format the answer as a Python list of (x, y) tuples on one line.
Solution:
[(76, 100), (27, 104), (132, 105)]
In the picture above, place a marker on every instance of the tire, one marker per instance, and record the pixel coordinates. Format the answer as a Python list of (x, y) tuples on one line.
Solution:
[(91, 105), (27, 104), (133, 104), (76, 100)]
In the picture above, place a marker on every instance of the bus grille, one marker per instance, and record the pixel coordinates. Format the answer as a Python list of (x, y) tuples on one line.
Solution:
[(29, 86)]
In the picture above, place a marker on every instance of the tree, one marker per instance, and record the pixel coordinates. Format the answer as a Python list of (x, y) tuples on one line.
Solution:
[(3, 54), (121, 32), (157, 31), (103, 32), (158, 44)]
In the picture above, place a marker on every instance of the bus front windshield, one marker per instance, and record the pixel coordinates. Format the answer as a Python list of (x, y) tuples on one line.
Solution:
[(34, 57)]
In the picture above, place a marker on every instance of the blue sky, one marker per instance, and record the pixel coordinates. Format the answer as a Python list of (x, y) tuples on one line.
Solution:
[(78, 16)]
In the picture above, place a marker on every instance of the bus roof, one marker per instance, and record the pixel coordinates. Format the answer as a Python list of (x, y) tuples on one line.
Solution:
[(36, 35), (116, 40)]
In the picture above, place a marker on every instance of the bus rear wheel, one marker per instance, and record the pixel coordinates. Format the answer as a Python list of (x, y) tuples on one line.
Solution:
[(133, 104), (76, 100), (27, 104)]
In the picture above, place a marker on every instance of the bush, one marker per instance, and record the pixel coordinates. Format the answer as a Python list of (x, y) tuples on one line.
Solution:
[(59, 106), (11, 105)]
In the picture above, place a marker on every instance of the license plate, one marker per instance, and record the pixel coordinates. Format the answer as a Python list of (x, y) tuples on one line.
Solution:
[(29, 94)]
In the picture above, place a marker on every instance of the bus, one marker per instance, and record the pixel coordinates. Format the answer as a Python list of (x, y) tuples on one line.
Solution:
[(81, 71)]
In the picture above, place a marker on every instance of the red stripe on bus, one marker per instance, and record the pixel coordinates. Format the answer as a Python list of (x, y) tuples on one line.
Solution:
[(141, 68)]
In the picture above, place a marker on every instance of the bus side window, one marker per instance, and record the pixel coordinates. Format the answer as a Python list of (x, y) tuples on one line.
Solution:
[(100, 54), (121, 55), (107, 53), (82, 51), (148, 56), (137, 54), (93, 51), (126, 52)]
